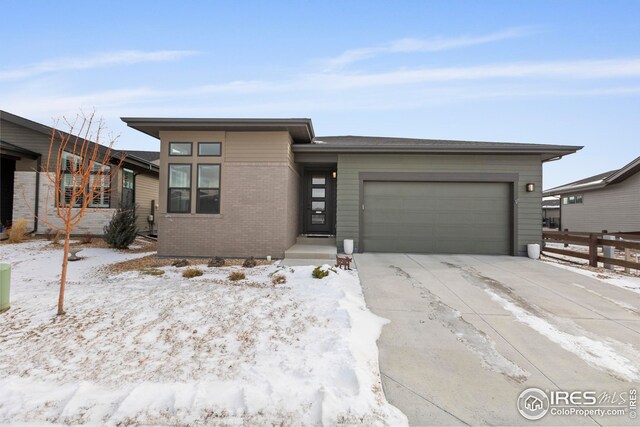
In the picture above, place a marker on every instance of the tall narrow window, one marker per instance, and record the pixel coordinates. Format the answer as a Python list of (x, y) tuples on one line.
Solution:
[(69, 182), (128, 197), (179, 189), (101, 186), (208, 200)]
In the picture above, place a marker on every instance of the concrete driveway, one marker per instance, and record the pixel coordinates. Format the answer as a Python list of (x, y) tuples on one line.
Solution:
[(469, 333)]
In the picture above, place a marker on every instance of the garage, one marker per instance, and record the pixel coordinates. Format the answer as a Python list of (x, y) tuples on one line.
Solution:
[(437, 217)]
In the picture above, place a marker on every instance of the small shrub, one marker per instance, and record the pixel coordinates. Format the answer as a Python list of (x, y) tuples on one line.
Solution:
[(18, 231), (180, 263), (152, 271), (121, 230), (237, 275), (216, 262), (279, 279), (86, 239), (192, 272), (249, 262), (320, 273)]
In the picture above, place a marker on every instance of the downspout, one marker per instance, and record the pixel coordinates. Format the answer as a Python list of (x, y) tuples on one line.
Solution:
[(37, 204)]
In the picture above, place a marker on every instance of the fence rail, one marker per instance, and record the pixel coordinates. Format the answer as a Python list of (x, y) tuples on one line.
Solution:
[(622, 240)]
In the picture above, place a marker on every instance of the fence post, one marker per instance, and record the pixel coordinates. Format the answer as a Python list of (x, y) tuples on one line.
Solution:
[(593, 249), (608, 252), (566, 245)]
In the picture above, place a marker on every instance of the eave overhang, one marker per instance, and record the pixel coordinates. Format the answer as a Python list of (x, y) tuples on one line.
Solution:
[(301, 130)]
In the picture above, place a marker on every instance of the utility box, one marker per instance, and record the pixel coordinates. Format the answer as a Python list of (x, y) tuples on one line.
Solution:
[(5, 286)]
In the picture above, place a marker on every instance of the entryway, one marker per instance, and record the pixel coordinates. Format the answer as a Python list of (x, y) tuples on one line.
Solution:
[(319, 201)]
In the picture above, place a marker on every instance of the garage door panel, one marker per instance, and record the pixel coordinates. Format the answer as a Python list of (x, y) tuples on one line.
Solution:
[(437, 217)]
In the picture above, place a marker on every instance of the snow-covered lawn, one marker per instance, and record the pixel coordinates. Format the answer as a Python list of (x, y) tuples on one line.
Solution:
[(164, 350)]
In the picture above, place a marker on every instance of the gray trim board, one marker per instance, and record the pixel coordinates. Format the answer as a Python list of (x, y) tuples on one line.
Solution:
[(301, 129), (511, 178)]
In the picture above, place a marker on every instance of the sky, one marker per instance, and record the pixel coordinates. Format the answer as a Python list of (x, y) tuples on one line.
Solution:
[(548, 72)]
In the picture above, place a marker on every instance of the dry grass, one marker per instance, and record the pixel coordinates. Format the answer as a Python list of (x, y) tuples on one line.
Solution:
[(18, 231), (237, 275), (192, 272), (152, 272), (279, 279), (153, 261)]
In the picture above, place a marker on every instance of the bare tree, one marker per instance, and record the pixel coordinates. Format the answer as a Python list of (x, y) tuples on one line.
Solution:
[(78, 168)]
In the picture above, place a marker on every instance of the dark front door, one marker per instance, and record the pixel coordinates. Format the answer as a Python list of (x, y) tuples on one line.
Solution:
[(319, 202)]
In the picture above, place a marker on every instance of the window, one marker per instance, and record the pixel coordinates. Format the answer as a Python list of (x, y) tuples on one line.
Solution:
[(70, 162), (68, 184), (572, 200), (179, 148), (99, 184), (209, 149), (179, 189), (318, 180), (208, 198), (128, 197)]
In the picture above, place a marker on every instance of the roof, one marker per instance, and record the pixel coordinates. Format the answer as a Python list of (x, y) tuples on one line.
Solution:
[(149, 156), (551, 204), (40, 128), (600, 180), (376, 144), (301, 129), (9, 148)]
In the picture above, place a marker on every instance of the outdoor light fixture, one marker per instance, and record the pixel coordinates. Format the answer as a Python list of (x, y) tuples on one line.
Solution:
[(334, 174), (530, 187)]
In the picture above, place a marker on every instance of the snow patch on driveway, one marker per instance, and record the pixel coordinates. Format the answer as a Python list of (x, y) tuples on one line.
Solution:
[(607, 354), (625, 282)]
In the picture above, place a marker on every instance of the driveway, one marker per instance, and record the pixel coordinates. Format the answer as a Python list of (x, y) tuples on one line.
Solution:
[(469, 333)]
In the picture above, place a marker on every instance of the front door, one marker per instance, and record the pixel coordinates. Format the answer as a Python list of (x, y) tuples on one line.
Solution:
[(319, 202)]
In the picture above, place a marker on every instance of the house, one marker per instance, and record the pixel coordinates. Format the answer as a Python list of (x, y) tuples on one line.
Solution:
[(607, 201), (24, 193), (241, 187), (551, 212)]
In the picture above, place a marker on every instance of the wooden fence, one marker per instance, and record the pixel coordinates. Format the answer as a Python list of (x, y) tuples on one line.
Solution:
[(622, 241)]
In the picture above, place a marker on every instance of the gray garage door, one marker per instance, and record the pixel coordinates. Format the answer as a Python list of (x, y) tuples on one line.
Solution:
[(437, 217)]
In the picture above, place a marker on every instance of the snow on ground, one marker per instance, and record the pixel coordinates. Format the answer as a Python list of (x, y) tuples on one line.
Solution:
[(141, 349), (631, 283), (609, 355)]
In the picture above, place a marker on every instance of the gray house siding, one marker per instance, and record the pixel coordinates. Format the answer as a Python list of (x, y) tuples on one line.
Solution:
[(615, 207), (527, 167), (25, 177)]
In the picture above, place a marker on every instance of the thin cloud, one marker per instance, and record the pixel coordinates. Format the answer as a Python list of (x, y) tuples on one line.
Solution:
[(580, 69), (105, 59), (422, 45)]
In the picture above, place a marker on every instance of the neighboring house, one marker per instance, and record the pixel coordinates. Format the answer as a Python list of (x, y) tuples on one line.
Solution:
[(607, 201), (551, 212), (250, 187), (24, 146)]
